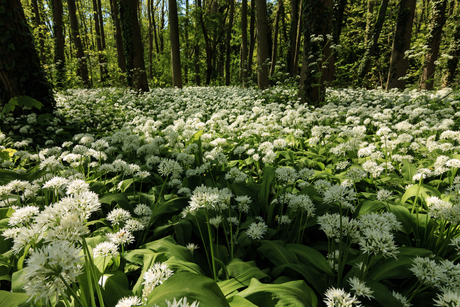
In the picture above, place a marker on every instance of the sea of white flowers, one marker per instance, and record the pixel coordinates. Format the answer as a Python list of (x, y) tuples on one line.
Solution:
[(178, 134)]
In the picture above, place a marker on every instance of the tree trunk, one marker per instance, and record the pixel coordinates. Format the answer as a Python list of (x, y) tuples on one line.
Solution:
[(291, 59), (118, 38), (337, 25), (401, 43), (275, 37), (175, 45), (20, 70), (38, 25), (244, 41), (372, 44), (252, 36), (162, 26), (59, 42), (262, 45), (132, 42), (100, 50), (369, 20), (298, 40), (154, 27), (228, 47), (312, 88), (454, 52), (433, 41), (150, 35), (186, 39), (81, 66)]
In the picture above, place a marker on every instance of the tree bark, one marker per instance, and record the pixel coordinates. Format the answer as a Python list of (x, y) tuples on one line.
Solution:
[(38, 26), (372, 44), (433, 41), (244, 41), (81, 66), (118, 37), (132, 42), (175, 46), (228, 46), (20, 70), (252, 36), (262, 45), (100, 50), (150, 36), (59, 43), (369, 19), (291, 60), (401, 43), (298, 40), (275, 37), (454, 52)]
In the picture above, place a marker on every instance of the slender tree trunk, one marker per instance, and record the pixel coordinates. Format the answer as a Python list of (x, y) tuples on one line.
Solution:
[(401, 43), (337, 25), (132, 42), (118, 38), (244, 41), (298, 40), (154, 27), (175, 46), (433, 41), (252, 36), (101, 24), (100, 50), (262, 44), (291, 60), (275, 37), (312, 87), (59, 42), (228, 46), (187, 45), (162, 25), (369, 20), (150, 35), (38, 25), (81, 67), (20, 70), (454, 51), (372, 44)]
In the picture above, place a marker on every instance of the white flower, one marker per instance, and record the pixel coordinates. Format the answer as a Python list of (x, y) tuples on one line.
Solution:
[(192, 247), (341, 195), (181, 303), (257, 230), (449, 298), (129, 301), (339, 298), (384, 195), (169, 167), (155, 275), (360, 288), (143, 209), (23, 216), (401, 298), (286, 175), (105, 249), (117, 216), (122, 237)]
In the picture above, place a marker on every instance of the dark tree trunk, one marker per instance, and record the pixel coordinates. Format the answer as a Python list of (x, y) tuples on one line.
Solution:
[(262, 45), (20, 70), (337, 25), (38, 25), (154, 28), (229, 38), (132, 42), (162, 26), (252, 36), (312, 87), (244, 41), (369, 20), (175, 45), (118, 38), (291, 59), (59, 42), (433, 41), (100, 49), (401, 43), (275, 36), (372, 44), (150, 35), (298, 40), (81, 67), (454, 51)]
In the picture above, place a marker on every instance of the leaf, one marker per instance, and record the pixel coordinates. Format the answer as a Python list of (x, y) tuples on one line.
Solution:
[(408, 170), (178, 265), (382, 294), (293, 293), (311, 256), (268, 177), (170, 248), (115, 287), (243, 273), (9, 299), (403, 215), (120, 198), (423, 191), (311, 276), (194, 287), (238, 301), (277, 253)]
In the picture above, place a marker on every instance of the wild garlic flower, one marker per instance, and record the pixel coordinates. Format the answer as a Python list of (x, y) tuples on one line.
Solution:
[(129, 301), (286, 175), (216, 221), (155, 275), (243, 203), (55, 183), (143, 209), (340, 195), (134, 225), (330, 224), (192, 247), (383, 221), (374, 241), (118, 215), (427, 271), (169, 167), (46, 267), (257, 230), (105, 249), (356, 174), (122, 237), (236, 174), (449, 298), (359, 287), (181, 303), (284, 219), (322, 186), (77, 187), (404, 301), (23, 216), (335, 297), (384, 195)]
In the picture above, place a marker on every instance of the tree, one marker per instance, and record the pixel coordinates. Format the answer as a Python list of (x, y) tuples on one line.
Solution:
[(118, 36), (275, 36), (433, 41), (454, 51), (244, 41), (227, 45), (100, 41), (82, 67), (132, 43), (59, 42), (291, 63), (20, 70), (401, 43), (262, 44), (175, 46)]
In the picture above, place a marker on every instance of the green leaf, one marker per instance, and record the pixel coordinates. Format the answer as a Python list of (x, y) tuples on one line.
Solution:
[(423, 191), (238, 301), (268, 178), (120, 198), (408, 170), (311, 256), (403, 215), (194, 287), (115, 287), (311, 276), (277, 253), (243, 273), (293, 293), (369, 206), (381, 294), (9, 299), (170, 248)]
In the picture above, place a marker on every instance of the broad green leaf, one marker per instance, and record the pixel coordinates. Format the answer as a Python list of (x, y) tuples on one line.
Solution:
[(9, 299), (194, 287), (277, 253), (311, 256), (423, 191), (311, 276), (238, 301), (242, 273), (408, 170), (404, 216), (17, 282), (294, 293), (170, 248), (116, 286), (120, 198), (178, 265), (381, 294), (268, 178)]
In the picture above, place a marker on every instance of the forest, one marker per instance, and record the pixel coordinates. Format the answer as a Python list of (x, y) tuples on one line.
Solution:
[(222, 153)]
